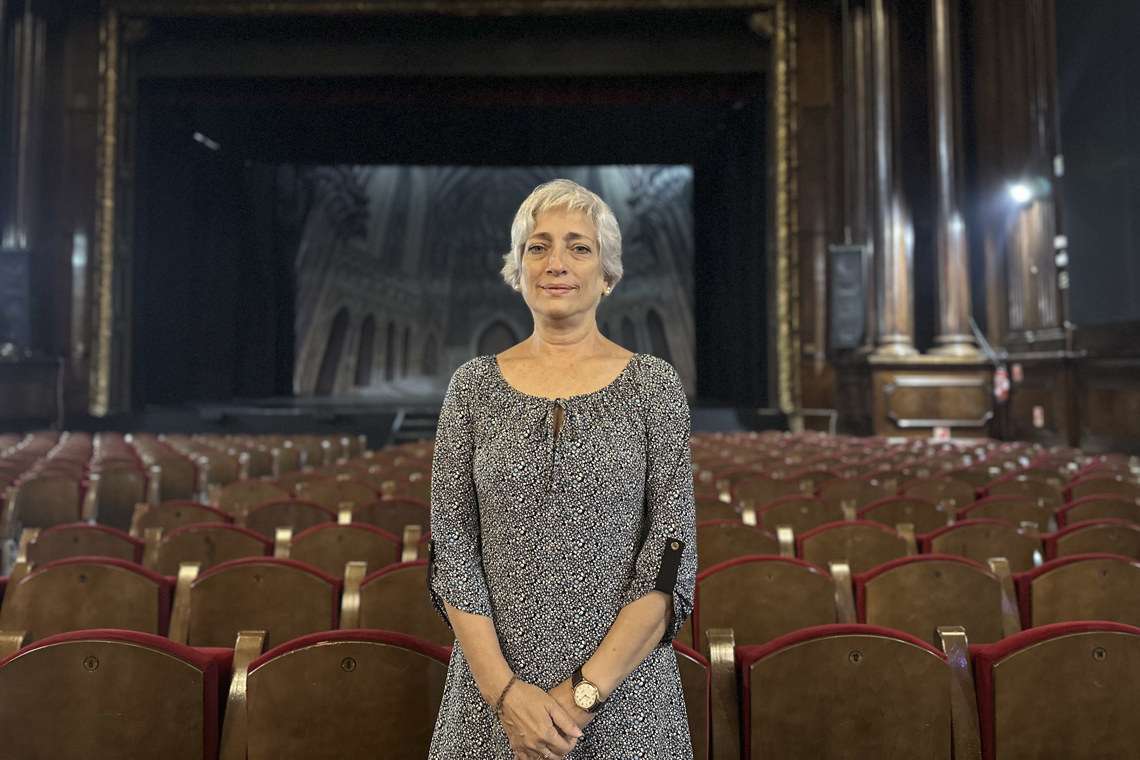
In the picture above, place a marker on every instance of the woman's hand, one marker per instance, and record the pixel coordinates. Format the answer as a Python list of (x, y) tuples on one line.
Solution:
[(563, 694), (537, 726)]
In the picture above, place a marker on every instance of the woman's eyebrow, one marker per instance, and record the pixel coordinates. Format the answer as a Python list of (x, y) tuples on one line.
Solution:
[(568, 236)]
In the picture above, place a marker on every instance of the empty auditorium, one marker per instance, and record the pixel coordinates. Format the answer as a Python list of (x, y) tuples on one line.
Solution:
[(569, 379)]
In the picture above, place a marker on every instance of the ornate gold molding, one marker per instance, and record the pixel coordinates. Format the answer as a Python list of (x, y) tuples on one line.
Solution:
[(785, 211), (103, 262)]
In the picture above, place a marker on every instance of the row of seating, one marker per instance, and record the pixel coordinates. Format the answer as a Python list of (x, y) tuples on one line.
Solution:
[(284, 597), (1066, 690), (864, 544)]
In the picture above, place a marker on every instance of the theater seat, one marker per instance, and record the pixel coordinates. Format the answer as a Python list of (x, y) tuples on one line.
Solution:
[(1101, 484), (696, 681), (983, 538), (79, 540), (924, 515), (722, 540), (44, 501), (712, 508), (1080, 587), (1039, 492), (207, 544), (342, 695), (949, 493), (919, 594), (282, 597), (800, 513), (332, 492), (763, 597), (86, 592), (395, 598), (862, 544), (111, 694), (171, 515), (1098, 508), (239, 497), (1067, 690), (857, 492), (296, 514), (1016, 510), (330, 547), (834, 691), (392, 515), (1111, 536)]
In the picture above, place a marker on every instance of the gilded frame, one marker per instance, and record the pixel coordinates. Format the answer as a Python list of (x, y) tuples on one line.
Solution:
[(123, 20)]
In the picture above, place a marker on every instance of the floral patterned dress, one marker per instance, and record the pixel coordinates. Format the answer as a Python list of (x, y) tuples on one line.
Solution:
[(550, 535)]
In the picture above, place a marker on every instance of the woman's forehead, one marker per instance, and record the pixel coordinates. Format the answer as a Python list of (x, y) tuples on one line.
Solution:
[(554, 220)]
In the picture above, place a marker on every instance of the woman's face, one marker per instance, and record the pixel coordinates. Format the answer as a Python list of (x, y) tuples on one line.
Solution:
[(561, 273)]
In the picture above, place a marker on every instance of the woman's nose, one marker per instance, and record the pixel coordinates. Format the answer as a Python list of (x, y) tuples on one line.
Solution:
[(554, 261)]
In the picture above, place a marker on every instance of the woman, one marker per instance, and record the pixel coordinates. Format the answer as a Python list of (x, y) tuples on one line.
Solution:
[(563, 550)]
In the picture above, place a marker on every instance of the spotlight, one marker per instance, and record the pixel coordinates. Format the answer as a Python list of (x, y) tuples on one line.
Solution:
[(1020, 192)]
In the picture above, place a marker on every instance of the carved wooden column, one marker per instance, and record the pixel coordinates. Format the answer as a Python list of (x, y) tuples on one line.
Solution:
[(954, 337), (893, 242), (859, 190)]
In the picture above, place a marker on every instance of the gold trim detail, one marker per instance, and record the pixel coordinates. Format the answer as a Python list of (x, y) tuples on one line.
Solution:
[(785, 210), (966, 739), (354, 573), (844, 595), (247, 648), (103, 265)]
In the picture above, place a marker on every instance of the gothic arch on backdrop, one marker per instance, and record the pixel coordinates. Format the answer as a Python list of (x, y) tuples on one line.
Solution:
[(495, 337), (658, 339), (334, 350), (365, 350)]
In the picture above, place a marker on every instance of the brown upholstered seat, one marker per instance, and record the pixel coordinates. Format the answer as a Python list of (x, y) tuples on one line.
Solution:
[(983, 538), (179, 479), (862, 544), (800, 513), (857, 491), (86, 592), (394, 598), (240, 496), (46, 500), (1015, 510), (924, 515), (919, 594), (119, 489), (722, 540), (841, 691), (1038, 491), (1110, 536), (297, 514), (1099, 508), (111, 694), (330, 547), (1067, 690), (207, 544), (82, 540), (951, 493), (762, 598), (696, 682), (282, 597), (1099, 484), (332, 492), (344, 695), (171, 515), (712, 508), (393, 515), (1080, 587)]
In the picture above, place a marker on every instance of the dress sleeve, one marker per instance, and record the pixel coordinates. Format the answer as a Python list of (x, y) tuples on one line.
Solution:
[(455, 557), (667, 559)]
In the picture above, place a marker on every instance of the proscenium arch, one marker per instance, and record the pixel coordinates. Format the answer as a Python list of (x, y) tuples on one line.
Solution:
[(123, 24)]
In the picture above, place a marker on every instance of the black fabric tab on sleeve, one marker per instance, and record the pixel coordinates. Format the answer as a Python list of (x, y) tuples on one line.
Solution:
[(670, 564)]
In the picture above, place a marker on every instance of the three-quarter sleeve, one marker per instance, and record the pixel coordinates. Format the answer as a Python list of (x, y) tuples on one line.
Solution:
[(455, 558), (667, 559)]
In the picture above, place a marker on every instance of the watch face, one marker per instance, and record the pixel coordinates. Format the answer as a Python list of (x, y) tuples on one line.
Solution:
[(585, 695)]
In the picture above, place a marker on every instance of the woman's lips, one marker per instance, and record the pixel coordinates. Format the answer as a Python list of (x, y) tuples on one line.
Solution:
[(558, 289)]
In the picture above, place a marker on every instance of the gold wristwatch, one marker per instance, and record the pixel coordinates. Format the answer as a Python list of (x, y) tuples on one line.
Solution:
[(587, 695)]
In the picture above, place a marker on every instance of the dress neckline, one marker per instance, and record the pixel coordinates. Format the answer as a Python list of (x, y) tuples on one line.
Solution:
[(577, 396)]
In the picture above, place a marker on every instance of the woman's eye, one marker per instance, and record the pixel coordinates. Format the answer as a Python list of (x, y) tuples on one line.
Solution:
[(581, 249)]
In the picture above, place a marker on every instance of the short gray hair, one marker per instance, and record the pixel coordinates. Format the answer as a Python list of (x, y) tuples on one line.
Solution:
[(565, 193)]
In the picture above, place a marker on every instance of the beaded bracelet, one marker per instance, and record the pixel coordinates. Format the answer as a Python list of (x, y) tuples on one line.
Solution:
[(499, 703)]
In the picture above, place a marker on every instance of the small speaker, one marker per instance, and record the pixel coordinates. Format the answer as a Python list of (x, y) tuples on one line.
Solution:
[(15, 305), (848, 274)]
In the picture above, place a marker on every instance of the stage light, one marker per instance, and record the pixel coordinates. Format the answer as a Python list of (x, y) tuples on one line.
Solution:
[(211, 144), (1020, 192)]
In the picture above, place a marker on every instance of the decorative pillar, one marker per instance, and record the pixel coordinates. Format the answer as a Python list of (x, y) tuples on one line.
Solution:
[(893, 242), (954, 337), (859, 190)]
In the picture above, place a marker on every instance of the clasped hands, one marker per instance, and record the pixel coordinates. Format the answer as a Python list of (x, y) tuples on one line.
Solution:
[(542, 725)]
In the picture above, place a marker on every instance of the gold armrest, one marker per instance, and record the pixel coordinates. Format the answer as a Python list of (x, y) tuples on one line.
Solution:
[(354, 573), (282, 542), (234, 739), (344, 513), (906, 530), (27, 537), (180, 616), (137, 517), (90, 510), (411, 548), (1010, 614), (725, 704), (19, 570), (963, 701), (153, 547), (11, 642), (154, 485), (844, 596), (787, 538)]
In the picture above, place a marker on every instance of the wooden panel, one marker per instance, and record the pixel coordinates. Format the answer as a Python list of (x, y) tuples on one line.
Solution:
[(914, 398)]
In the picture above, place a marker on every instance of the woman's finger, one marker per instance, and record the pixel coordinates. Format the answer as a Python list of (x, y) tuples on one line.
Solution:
[(562, 720)]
